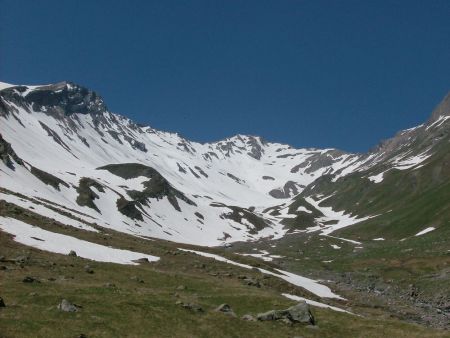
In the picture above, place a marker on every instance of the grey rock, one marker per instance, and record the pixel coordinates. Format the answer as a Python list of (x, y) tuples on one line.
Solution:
[(88, 269), (299, 313), (271, 315), (226, 309), (72, 253), (22, 259), (190, 306), (141, 260), (248, 318), (137, 279), (66, 306), (29, 279)]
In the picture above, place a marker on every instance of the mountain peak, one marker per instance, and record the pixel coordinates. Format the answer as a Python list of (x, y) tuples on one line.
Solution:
[(62, 98)]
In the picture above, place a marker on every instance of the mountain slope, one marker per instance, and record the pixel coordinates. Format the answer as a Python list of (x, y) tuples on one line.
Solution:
[(61, 144)]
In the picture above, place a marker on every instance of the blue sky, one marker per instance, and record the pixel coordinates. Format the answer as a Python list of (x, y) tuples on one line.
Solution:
[(315, 73)]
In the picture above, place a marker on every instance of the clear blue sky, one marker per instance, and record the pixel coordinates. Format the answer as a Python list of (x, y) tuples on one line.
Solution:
[(309, 73)]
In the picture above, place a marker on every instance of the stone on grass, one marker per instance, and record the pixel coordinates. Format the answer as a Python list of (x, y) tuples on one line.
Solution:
[(141, 260), (248, 318), (137, 279), (299, 313), (67, 306), (88, 269), (271, 315), (29, 279), (226, 309), (190, 306)]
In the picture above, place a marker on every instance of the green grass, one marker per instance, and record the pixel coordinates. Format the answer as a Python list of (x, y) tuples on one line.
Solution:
[(133, 309)]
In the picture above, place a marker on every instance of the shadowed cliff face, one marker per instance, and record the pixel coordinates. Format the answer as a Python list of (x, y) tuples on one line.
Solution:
[(58, 100)]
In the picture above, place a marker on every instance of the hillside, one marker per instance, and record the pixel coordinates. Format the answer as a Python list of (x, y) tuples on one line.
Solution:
[(367, 234)]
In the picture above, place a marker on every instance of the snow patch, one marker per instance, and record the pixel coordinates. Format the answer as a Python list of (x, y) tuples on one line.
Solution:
[(30, 235), (424, 231), (314, 303), (303, 282)]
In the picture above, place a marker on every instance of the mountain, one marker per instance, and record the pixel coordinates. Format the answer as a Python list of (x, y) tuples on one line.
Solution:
[(147, 233), (61, 145)]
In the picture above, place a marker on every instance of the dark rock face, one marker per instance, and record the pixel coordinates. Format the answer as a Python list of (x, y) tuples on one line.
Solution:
[(129, 208), (157, 187), (237, 214), (289, 189), (48, 179), (256, 150), (7, 153), (86, 195), (66, 98)]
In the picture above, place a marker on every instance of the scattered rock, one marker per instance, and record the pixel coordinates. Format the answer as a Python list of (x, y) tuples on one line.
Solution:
[(22, 259), (271, 315), (226, 309), (181, 287), (141, 260), (88, 269), (252, 282), (299, 313), (72, 253), (29, 279), (66, 306), (312, 327), (137, 279), (190, 306), (2, 302), (248, 318)]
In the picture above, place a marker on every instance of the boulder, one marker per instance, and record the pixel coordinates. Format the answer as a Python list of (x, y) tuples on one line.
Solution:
[(88, 269), (66, 306), (29, 279), (2, 302), (226, 309), (299, 313), (271, 315), (72, 253), (141, 260), (248, 318), (190, 306), (22, 259)]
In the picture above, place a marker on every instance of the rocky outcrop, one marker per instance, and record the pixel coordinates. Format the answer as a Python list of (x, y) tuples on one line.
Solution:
[(299, 313)]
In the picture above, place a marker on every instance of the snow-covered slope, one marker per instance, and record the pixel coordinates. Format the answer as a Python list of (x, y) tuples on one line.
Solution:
[(61, 144)]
